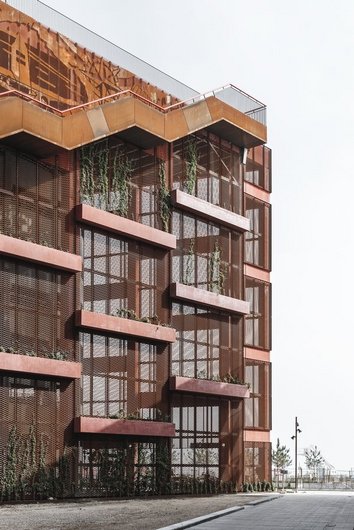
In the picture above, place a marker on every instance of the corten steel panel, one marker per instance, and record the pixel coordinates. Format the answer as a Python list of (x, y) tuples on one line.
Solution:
[(91, 425), (203, 386), (98, 122), (256, 436), (120, 225), (12, 109), (50, 257), (124, 326), (255, 272), (197, 116), (205, 209), (256, 192), (36, 121), (252, 128), (72, 131), (23, 364), (256, 355), (119, 114), (197, 296)]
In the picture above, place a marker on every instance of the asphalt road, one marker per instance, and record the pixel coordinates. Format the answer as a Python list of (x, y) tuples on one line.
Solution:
[(304, 511)]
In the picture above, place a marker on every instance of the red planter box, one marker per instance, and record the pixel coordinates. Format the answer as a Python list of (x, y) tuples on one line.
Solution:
[(211, 388), (50, 257), (92, 425), (23, 364), (191, 294), (124, 326), (209, 211), (120, 225)]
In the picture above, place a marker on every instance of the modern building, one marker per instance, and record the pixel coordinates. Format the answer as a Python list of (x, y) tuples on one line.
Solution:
[(134, 270)]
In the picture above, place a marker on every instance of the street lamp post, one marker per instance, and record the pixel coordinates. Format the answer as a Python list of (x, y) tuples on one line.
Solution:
[(297, 431)]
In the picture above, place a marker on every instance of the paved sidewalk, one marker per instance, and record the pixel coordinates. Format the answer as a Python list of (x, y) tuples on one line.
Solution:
[(132, 514), (302, 511)]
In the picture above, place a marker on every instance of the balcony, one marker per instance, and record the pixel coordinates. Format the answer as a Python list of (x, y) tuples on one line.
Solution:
[(209, 211), (125, 227), (39, 366), (124, 326), (193, 295), (208, 387), (93, 425), (49, 257)]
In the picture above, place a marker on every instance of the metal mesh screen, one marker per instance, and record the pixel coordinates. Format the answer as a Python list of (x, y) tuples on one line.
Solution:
[(257, 322), (122, 275), (208, 167), (122, 179), (123, 378), (257, 461), (259, 167), (257, 240), (258, 406), (207, 256), (36, 199)]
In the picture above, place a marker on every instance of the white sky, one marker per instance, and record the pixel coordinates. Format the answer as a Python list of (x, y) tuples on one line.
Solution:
[(298, 58)]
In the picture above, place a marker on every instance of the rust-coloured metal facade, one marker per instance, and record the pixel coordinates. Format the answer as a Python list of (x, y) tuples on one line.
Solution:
[(159, 300)]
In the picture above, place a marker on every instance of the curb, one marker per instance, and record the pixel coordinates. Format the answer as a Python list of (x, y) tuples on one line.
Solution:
[(214, 515)]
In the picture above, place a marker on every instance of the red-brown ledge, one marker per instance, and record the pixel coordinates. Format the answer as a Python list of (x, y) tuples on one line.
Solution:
[(23, 364), (209, 211), (193, 295), (50, 257), (93, 425), (120, 225), (124, 326), (206, 387)]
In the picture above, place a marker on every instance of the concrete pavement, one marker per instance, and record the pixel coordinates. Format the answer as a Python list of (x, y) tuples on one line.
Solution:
[(302, 511)]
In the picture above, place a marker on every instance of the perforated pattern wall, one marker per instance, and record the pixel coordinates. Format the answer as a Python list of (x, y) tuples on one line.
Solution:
[(36, 198), (123, 378), (207, 256), (208, 167), (122, 179), (122, 275), (257, 322), (257, 240), (258, 406), (259, 167), (257, 461)]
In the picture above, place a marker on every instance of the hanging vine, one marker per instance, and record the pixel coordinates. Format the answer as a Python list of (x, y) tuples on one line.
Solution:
[(121, 186), (191, 159), (164, 197), (87, 181), (217, 270), (189, 270), (102, 178)]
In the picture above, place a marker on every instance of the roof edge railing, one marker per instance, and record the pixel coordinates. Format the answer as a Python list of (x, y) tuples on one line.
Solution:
[(257, 113)]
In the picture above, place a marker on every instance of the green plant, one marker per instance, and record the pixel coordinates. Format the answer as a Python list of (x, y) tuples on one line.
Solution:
[(58, 355), (102, 177), (191, 159), (87, 181), (217, 270), (190, 261), (164, 197), (123, 168)]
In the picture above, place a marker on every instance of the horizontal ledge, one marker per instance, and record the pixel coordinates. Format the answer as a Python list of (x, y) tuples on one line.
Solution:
[(193, 295), (120, 225), (50, 257), (92, 425), (11, 362), (205, 386), (256, 436), (257, 273), (124, 326), (209, 211), (256, 192)]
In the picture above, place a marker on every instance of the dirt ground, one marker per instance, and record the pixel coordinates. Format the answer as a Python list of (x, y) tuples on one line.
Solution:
[(132, 514)]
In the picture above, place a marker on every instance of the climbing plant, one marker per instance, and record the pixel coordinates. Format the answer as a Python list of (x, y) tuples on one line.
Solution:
[(87, 181), (191, 159), (189, 270), (164, 197), (123, 168), (102, 176), (217, 270)]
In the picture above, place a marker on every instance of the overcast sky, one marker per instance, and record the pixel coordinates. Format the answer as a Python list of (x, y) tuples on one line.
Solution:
[(298, 58)]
